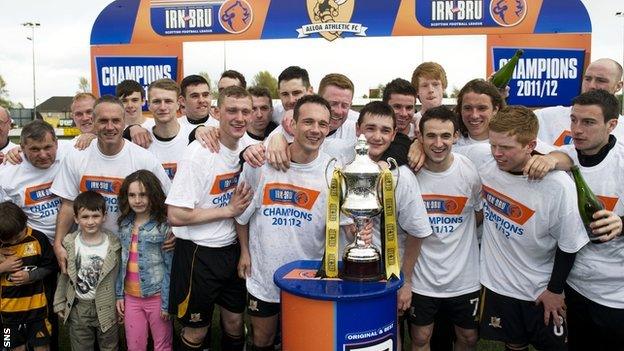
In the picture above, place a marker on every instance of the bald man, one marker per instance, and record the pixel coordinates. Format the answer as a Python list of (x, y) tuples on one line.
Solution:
[(5, 127), (554, 121)]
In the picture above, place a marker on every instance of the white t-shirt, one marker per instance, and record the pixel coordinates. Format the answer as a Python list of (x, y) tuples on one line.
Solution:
[(524, 222), (597, 272), (411, 214), (467, 140), (554, 125), (353, 116), (149, 123), (90, 259), (8, 147), (480, 153), (184, 122), (29, 187), (170, 152), (341, 144), (448, 264), (287, 220), (278, 114), (248, 140), (206, 180), (90, 169)]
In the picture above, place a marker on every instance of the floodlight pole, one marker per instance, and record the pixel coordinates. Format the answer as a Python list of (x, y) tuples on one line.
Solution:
[(621, 15), (32, 26)]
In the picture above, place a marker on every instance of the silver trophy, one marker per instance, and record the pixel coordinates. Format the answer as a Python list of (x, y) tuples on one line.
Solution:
[(361, 201)]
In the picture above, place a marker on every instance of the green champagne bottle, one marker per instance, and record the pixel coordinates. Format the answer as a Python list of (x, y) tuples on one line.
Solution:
[(588, 203), (502, 77)]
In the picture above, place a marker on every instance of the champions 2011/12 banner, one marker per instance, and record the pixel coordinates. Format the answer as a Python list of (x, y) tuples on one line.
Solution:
[(141, 31)]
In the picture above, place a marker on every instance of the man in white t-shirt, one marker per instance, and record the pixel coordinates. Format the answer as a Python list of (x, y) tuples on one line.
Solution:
[(229, 78), (206, 194), (82, 113), (194, 99), (28, 184), (429, 80), (446, 276), (275, 230), (292, 84), (132, 96), (554, 121), (338, 90), (595, 286), (378, 125), (170, 138), (5, 127), (401, 96), (477, 103), (260, 125), (531, 232), (101, 167)]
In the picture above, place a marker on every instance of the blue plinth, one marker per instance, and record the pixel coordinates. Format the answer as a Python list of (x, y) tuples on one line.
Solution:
[(333, 314)]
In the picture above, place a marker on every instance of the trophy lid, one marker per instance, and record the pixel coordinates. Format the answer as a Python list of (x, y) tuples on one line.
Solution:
[(362, 162)]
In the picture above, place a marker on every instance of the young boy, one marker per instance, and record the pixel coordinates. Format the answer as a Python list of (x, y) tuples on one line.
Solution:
[(85, 296), (23, 304)]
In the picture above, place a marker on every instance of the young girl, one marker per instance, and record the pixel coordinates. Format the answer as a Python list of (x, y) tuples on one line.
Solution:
[(143, 282)]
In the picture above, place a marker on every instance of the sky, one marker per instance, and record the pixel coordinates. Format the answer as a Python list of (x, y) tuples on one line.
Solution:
[(62, 50)]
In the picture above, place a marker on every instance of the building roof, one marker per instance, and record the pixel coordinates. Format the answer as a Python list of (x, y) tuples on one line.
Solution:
[(56, 104)]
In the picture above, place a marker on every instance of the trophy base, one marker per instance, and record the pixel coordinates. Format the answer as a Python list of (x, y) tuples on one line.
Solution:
[(362, 271)]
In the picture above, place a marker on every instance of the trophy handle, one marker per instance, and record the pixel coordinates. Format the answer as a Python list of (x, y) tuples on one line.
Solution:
[(332, 160), (393, 162), (390, 161)]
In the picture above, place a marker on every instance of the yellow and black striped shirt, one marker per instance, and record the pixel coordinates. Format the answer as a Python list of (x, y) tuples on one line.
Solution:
[(27, 302)]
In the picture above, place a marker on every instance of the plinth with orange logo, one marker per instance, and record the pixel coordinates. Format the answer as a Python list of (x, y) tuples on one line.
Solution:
[(333, 314)]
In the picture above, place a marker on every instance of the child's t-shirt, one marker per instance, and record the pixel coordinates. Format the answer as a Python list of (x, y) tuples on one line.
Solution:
[(27, 302), (131, 284), (89, 262)]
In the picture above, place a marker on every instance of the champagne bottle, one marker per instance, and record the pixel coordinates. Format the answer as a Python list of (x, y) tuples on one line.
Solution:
[(502, 77), (588, 203)]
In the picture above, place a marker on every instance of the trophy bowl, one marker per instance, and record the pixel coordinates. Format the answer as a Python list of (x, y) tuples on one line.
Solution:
[(361, 261)]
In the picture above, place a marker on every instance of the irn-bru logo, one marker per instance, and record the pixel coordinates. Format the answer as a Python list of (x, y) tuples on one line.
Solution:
[(564, 139), (608, 202), (224, 182), (288, 194), (170, 169), (507, 206), (38, 193), (444, 204), (235, 16), (508, 13), (102, 185)]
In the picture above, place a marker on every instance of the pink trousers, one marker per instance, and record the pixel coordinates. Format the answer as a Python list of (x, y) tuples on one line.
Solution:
[(141, 313)]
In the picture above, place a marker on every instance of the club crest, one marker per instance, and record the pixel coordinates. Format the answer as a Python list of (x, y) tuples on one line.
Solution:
[(330, 19)]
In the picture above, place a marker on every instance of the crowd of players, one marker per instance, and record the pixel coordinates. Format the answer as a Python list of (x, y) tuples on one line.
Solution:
[(491, 240)]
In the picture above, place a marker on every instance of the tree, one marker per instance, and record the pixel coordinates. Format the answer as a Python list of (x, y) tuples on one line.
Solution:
[(4, 96), (83, 85), (376, 93), (211, 84), (455, 92), (265, 79)]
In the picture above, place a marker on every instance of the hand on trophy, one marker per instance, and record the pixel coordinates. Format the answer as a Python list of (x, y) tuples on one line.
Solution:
[(366, 235)]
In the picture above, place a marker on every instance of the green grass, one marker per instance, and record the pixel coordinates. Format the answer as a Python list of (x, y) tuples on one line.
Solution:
[(483, 345)]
